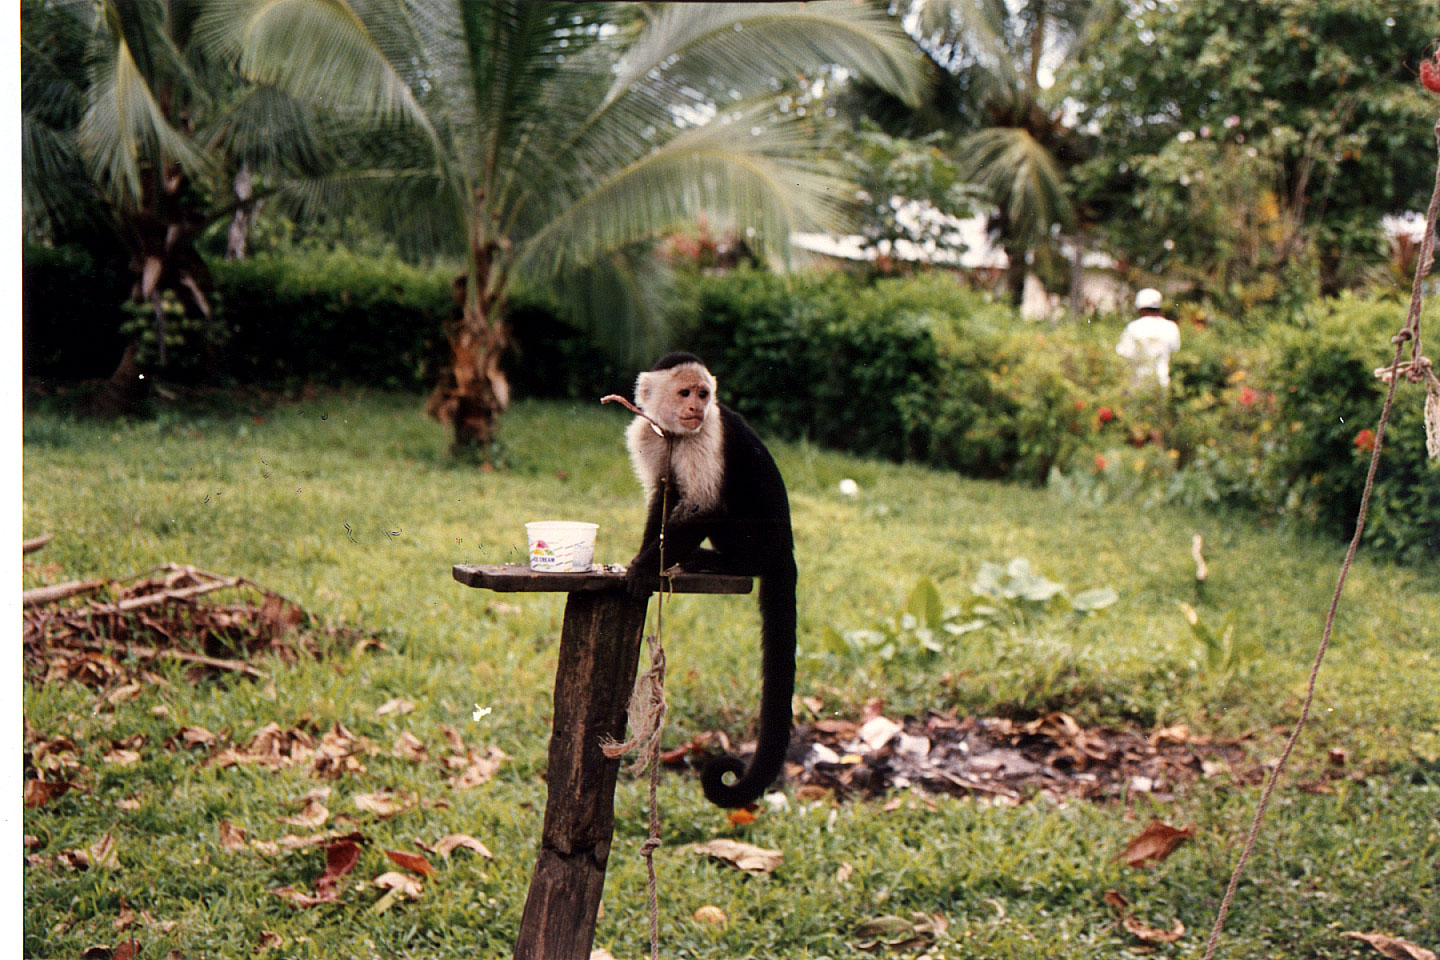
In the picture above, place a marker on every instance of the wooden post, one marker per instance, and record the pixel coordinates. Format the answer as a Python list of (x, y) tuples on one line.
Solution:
[(598, 657)]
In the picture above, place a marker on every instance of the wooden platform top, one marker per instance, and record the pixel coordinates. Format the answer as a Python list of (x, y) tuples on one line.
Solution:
[(516, 578)]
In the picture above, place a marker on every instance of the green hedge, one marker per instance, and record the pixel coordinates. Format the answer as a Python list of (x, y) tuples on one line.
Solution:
[(919, 368)]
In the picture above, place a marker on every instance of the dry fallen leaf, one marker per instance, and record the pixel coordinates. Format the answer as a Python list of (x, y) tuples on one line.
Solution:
[(340, 858), (897, 933), (843, 874), (451, 841), (711, 915), (479, 769), (411, 861), (1117, 900), (740, 817), (314, 815), (121, 758), (1156, 842), (1152, 935), (398, 705), (403, 882), (40, 792), (231, 836), (409, 747), (302, 899), (1392, 947), (194, 737), (751, 859), (269, 940), (384, 803), (103, 853)]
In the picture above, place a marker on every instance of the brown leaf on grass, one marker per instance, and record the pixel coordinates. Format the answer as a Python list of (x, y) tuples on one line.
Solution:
[(398, 705), (409, 747), (842, 875), (384, 803), (452, 737), (120, 694), (710, 915), (403, 882), (302, 899), (40, 792), (411, 861), (232, 837), (1117, 900), (1392, 947), (191, 737), (31, 841), (269, 940), (313, 816), (340, 858), (740, 817), (103, 853), (452, 841), (1156, 842), (130, 803), (291, 842), (128, 950), (121, 758), (752, 859), (1151, 934), (281, 614), (124, 919), (897, 933), (478, 769)]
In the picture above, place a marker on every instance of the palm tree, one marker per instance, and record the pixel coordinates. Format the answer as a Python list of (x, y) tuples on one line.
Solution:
[(996, 98), (134, 128), (551, 143)]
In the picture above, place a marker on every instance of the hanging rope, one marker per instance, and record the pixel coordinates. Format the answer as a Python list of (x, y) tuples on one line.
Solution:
[(647, 701), (1418, 369)]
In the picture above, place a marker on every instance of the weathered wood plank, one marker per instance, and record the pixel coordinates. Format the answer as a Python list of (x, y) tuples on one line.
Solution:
[(599, 652), (515, 578)]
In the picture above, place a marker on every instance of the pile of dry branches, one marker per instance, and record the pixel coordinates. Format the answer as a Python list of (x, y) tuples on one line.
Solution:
[(122, 626)]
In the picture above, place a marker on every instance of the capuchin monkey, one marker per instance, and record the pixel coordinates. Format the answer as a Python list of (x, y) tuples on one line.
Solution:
[(724, 486)]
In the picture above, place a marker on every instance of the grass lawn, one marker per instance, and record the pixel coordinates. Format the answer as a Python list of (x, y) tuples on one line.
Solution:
[(349, 505)]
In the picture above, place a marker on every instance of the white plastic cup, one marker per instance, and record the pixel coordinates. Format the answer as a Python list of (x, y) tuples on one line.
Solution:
[(561, 546)]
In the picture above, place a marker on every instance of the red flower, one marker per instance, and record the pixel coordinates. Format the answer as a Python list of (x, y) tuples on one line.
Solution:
[(1248, 396), (1430, 73), (1105, 414), (1099, 462), (1365, 440), (1079, 404)]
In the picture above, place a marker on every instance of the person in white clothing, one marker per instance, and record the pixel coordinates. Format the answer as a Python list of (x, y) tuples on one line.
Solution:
[(1149, 339)]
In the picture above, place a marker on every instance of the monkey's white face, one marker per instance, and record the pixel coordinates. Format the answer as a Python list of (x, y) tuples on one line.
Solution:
[(679, 398)]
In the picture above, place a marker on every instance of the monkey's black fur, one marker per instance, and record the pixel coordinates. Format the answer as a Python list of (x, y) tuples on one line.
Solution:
[(749, 530)]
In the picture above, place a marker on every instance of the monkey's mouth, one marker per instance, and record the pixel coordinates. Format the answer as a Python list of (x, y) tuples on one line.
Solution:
[(691, 423)]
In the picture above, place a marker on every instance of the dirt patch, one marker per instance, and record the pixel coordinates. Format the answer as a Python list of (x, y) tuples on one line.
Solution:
[(997, 758)]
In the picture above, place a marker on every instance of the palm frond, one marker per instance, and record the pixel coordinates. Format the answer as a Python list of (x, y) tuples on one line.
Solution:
[(319, 50), (744, 45), (619, 302), (125, 130), (748, 169), (1020, 176)]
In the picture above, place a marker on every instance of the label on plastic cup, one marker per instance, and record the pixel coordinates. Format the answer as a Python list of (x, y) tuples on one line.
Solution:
[(561, 546)]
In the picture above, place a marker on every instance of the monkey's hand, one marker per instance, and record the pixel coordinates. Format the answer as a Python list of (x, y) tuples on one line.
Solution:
[(641, 579)]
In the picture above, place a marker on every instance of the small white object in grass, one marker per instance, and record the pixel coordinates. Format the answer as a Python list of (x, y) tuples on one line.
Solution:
[(480, 712), (849, 487), (777, 802)]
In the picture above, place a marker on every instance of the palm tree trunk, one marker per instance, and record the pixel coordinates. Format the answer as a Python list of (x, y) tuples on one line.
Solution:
[(473, 393)]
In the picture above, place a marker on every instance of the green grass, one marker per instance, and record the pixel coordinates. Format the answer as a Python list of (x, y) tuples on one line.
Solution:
[(1013, 882)]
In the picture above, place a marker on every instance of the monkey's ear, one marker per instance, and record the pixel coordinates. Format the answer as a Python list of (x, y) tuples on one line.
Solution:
[(643, 384)]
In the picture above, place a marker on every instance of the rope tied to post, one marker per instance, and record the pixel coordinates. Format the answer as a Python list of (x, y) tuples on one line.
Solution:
[(647, 707)]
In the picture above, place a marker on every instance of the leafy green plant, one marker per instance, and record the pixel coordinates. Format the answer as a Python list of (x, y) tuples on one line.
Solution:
[(1012, 596), (1223, 654)]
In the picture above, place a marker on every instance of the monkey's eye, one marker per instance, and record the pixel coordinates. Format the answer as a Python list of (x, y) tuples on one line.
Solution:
[(685, 392), (704, 394)]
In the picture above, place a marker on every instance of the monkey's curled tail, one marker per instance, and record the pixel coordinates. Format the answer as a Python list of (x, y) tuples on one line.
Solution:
[(777, 637)]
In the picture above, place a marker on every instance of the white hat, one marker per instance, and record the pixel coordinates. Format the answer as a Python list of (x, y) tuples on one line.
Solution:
[(1148, 299)]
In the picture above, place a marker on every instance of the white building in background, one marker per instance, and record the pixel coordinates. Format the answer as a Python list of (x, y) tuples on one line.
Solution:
[(968, 249)]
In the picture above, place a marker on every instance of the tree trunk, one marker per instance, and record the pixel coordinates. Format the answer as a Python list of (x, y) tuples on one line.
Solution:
[(473, 393), (238, 236), (1015, 274)]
